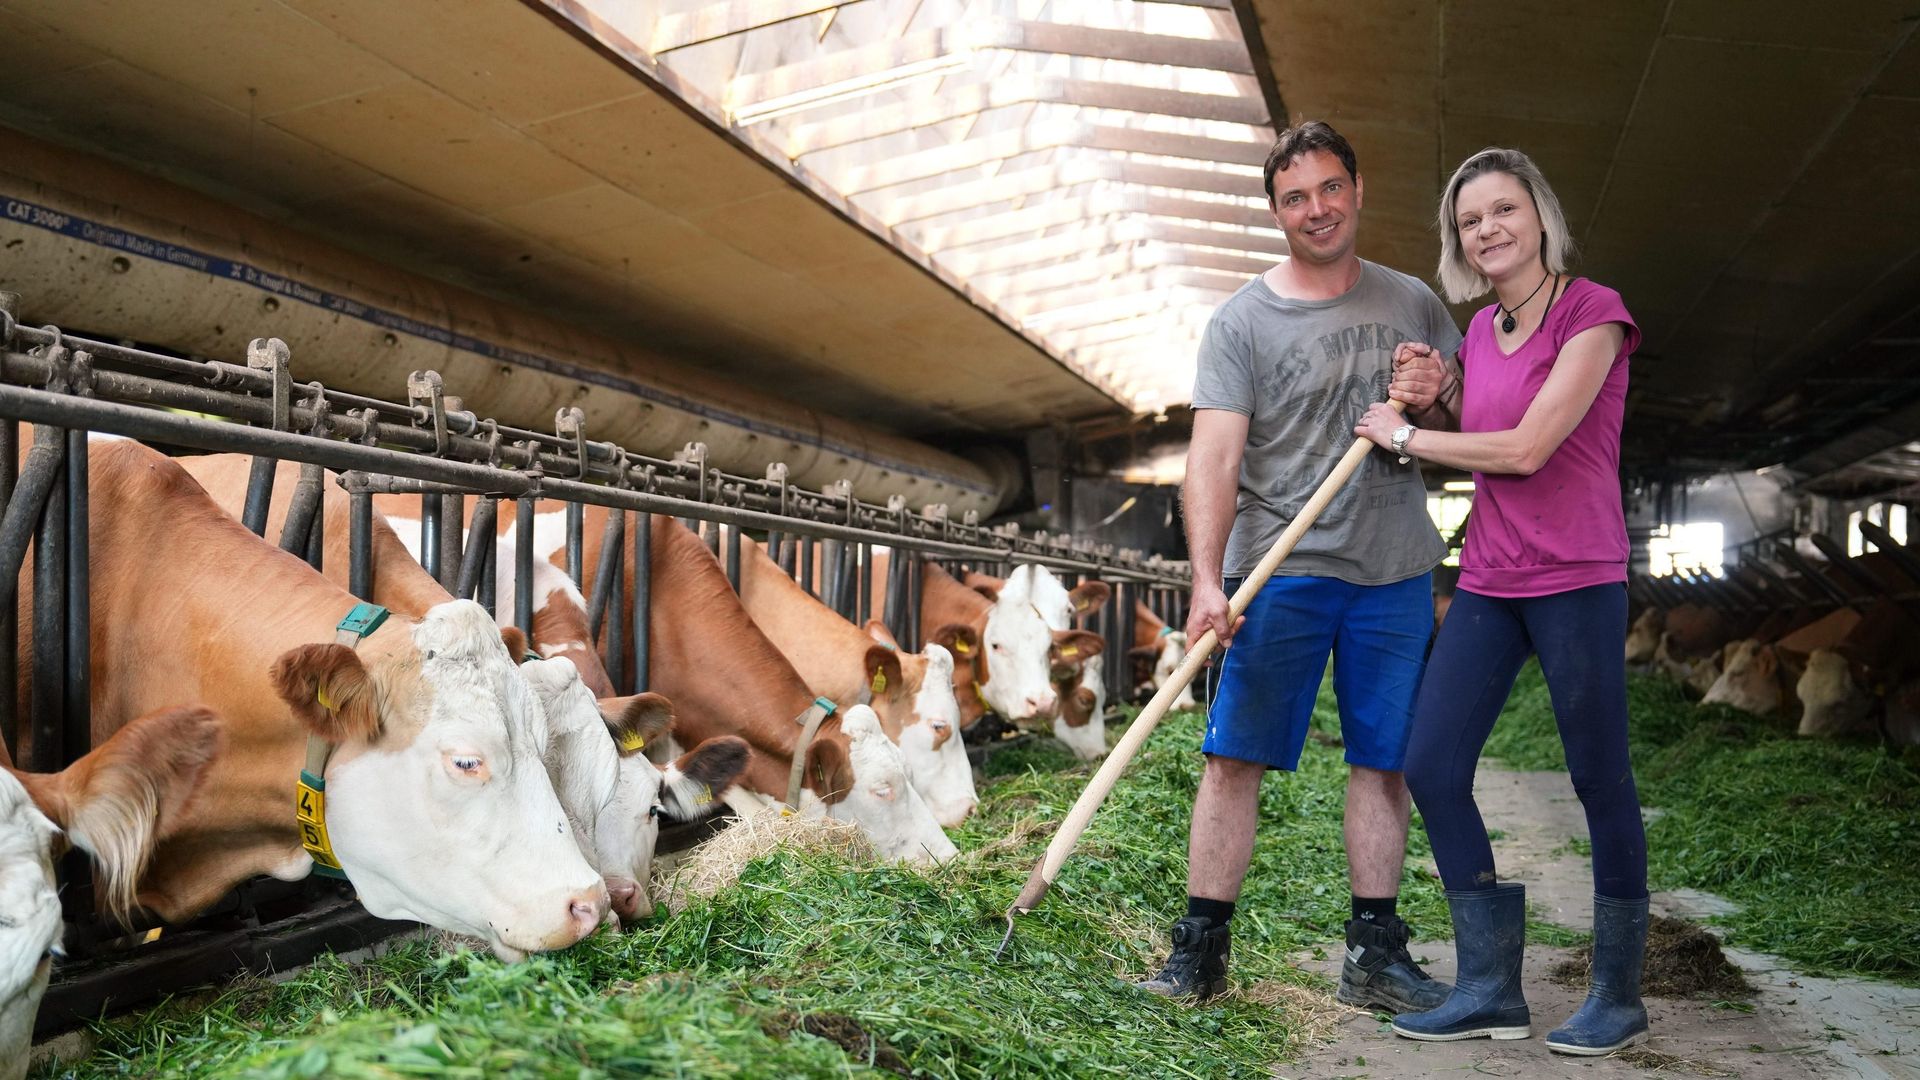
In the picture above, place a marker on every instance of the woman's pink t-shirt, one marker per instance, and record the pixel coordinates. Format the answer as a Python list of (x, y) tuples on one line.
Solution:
[(1561, 528)]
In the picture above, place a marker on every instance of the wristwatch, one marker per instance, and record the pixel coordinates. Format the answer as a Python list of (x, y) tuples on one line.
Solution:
[(1401, 436)]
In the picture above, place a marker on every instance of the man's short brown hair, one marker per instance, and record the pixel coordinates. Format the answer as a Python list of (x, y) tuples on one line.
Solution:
[(1303, 139)]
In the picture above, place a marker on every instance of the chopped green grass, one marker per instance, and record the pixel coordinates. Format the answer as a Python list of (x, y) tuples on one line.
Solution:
[(1814, 839), (893, 966)]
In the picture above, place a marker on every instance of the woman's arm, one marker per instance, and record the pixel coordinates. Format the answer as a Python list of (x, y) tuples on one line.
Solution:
[(1578, 373)]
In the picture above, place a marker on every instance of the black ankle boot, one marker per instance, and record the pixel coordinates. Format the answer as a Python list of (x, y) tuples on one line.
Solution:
[(1197, 967), (1379, 973)]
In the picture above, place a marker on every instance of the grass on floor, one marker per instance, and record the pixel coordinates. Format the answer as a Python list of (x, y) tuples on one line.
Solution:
[(1816, 840), (813, 967)]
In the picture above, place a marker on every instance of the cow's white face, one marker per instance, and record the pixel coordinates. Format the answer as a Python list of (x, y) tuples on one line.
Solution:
[(29, 920), (1832, 702), (1644, 637), (1088, 741), (1748, 679), (881, 800), (1017, 640), (1173, 649), (449, 818), (930, 744)]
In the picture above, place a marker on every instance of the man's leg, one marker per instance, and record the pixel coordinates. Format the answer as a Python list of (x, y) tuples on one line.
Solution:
[(1378, 808), (1225, 812)]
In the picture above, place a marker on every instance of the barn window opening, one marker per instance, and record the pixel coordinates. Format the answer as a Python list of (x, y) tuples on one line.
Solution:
[(1448, 509), (1889, 516), (1690, 546)]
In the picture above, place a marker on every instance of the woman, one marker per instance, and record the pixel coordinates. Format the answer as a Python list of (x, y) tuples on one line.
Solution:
[(1540, 389)]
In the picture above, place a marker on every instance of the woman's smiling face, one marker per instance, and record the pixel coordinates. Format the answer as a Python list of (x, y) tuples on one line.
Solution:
[(1499, 227)]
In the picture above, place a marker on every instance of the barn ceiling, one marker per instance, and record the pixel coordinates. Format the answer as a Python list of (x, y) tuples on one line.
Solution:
[(1745, 173)]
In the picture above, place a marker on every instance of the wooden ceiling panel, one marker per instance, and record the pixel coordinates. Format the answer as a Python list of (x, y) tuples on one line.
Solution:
[(647, 146), (37, 51), (1546, 60), (1858, 25)]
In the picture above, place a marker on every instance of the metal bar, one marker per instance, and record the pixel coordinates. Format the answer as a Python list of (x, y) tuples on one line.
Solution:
[(1119, 664), (317, 541), (894, 611), (915, 578), (1811, 575), (453, 510), (341, 455), (617, 606), (733, 558), (523, 567), (360, 544), (862, 583), (488, 589), (9, 602), (576, 518), (76, 871), (610, 544), (642, 601), (806, 564), (849, 588), (1900, 555), (1838, 558), (480, 543), (295, 531), (45, 464), (430, 534), (253, 514), (48, 700), (830, 573)]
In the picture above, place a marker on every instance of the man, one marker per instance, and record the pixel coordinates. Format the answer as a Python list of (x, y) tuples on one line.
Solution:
[(1287, 364)]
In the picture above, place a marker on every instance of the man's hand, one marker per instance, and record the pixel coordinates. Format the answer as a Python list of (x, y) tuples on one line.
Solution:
[(1417, 376), (1209, 612)]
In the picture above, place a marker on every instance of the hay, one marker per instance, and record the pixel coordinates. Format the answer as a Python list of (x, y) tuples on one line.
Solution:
[(1683, 961), (1315, 1013), (717, 863)]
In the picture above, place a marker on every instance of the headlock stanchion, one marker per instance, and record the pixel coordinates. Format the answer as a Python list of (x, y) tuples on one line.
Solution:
[(424, 446)]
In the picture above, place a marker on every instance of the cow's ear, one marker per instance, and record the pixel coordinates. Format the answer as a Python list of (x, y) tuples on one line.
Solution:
[(959, 639), (1077, 708), (986, 589), (878, 631), (1766, 660), (829, 772), (637, 721), (1089, 596), (1077, 646), (120, 800), (330, 692), (693, 783), (883, 678), (516, 643)]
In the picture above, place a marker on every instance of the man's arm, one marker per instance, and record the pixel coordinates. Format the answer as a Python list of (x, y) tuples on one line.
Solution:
[(1444, 413), (1208, 500), (1430, 385)]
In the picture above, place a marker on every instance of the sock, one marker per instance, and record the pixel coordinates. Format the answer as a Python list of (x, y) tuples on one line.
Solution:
[(1373, 912), (1217, 910)]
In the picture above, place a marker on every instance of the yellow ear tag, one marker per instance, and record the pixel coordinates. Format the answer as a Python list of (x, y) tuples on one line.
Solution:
[(630, 742), (962, 648), (879, 682), (1069, 650), (704, 797), (320, 695)]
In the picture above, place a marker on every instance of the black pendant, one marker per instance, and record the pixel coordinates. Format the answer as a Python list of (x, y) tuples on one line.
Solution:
[(1506, 325)]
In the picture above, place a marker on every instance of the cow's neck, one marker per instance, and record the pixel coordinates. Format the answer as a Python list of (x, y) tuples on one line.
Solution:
[(944, 601)]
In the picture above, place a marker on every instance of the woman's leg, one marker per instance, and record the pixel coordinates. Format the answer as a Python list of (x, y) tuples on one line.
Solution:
[(1588, 684), (1470, 673)]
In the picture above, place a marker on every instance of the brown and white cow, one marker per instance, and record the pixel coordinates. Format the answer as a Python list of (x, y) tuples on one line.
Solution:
[(1079, 720), (912, 693), (1157, 651), (1872, 670), (610, 796), (725, 678), (112, 804), (1759, 674), (437, 800)]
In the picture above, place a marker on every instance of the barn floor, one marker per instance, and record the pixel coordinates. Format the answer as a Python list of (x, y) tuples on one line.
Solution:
[(1795, 1026)]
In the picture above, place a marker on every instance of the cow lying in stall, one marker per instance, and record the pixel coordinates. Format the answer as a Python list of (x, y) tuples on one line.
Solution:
[(113, 804), (610, 791), (437, 802)]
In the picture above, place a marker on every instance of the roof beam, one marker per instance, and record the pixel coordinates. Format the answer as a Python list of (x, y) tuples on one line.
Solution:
[(1018, 183), (1257, 228), (677, 30), (1032, 302), (1000, 93), (973, 152), (1116, 306), (1080, 242)]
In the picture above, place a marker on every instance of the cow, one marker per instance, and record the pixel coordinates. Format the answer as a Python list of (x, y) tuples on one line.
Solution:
[(1759, 674), (725, 678), (112, 804), (1872, 670), (1643, 637), (436, 802), (911, 693), (610, 808), (612, 793), (1157, 652), (1083, 728)]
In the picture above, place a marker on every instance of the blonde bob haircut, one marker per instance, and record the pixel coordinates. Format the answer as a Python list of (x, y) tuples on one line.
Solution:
[(1458, 279)]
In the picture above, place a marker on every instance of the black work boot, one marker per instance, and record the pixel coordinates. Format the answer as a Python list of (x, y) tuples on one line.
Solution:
[(1197, 967), (1379, 973)]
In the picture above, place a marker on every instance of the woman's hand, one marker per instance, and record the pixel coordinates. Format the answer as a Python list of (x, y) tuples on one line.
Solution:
[(1417, 375), (1379, 424)]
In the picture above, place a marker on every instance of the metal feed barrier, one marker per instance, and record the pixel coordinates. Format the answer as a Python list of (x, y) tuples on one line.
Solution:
[(68, 386)]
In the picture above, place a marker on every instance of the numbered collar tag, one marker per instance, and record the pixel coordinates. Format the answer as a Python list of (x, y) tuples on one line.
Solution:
[(310, 809)]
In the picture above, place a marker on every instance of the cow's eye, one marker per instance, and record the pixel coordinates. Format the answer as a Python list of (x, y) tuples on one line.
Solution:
[(656, 812), (466, 763), (883, 792), (939, 726)]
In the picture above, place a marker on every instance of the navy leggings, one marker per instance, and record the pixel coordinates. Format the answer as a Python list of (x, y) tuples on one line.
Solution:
[(1476, 656)]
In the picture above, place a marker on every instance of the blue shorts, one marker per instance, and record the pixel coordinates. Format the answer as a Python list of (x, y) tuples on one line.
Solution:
[(1378, 637)]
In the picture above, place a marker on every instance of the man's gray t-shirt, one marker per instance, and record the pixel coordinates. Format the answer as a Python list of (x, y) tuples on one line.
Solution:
[(1303, 372)]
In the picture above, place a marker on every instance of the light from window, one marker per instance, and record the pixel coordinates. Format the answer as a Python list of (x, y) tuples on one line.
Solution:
[(1696, 545)]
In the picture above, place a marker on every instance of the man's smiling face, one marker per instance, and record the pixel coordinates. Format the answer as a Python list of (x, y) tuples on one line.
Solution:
[(1317, 205)]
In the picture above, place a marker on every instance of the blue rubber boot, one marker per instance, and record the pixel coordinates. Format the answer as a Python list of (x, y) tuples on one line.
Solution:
[(1490, 939), (1612, 1017)]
